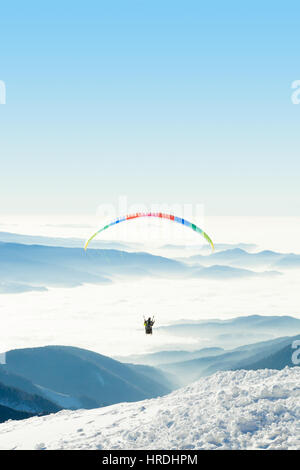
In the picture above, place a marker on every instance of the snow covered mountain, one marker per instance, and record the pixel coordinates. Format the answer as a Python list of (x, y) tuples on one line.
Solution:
[(229, 410)]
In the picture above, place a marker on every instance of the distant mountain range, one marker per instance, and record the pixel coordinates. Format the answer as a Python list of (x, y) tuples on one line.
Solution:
[(36, 267), (274, 354), (236, 331), (222, 336), (8, 237), (227, 272), (167, 357), (45, 380), (238, 257), (206, 249), (278, 360), (17, 288), (23, 239)]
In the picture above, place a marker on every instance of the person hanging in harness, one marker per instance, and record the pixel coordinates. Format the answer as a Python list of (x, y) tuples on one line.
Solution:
[(148, 324)]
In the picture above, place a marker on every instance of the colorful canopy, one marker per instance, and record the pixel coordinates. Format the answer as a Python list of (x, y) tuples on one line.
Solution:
[(171, 217)]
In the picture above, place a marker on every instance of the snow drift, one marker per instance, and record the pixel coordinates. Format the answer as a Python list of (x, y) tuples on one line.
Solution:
[(229, 410)]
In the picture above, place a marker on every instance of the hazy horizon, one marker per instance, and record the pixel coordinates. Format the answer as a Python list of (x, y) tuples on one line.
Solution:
[(275, 233), (109, 318)]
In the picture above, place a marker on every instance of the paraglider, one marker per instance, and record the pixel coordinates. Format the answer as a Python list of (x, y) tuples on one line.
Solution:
[(148, 324), (161, 215)]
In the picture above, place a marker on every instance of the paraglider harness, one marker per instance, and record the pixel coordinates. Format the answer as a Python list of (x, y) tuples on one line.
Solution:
[(148, 325)]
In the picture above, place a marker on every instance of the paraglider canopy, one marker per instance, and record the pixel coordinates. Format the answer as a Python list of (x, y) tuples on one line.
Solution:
[(160, 215)]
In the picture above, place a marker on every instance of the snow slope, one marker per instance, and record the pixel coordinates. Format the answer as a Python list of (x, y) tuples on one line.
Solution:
[(229, 410)]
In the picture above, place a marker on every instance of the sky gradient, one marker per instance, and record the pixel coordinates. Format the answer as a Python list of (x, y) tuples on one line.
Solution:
[(162, 101)]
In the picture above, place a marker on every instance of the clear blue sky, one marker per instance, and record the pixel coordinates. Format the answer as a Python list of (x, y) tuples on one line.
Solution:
[(162, 101)]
